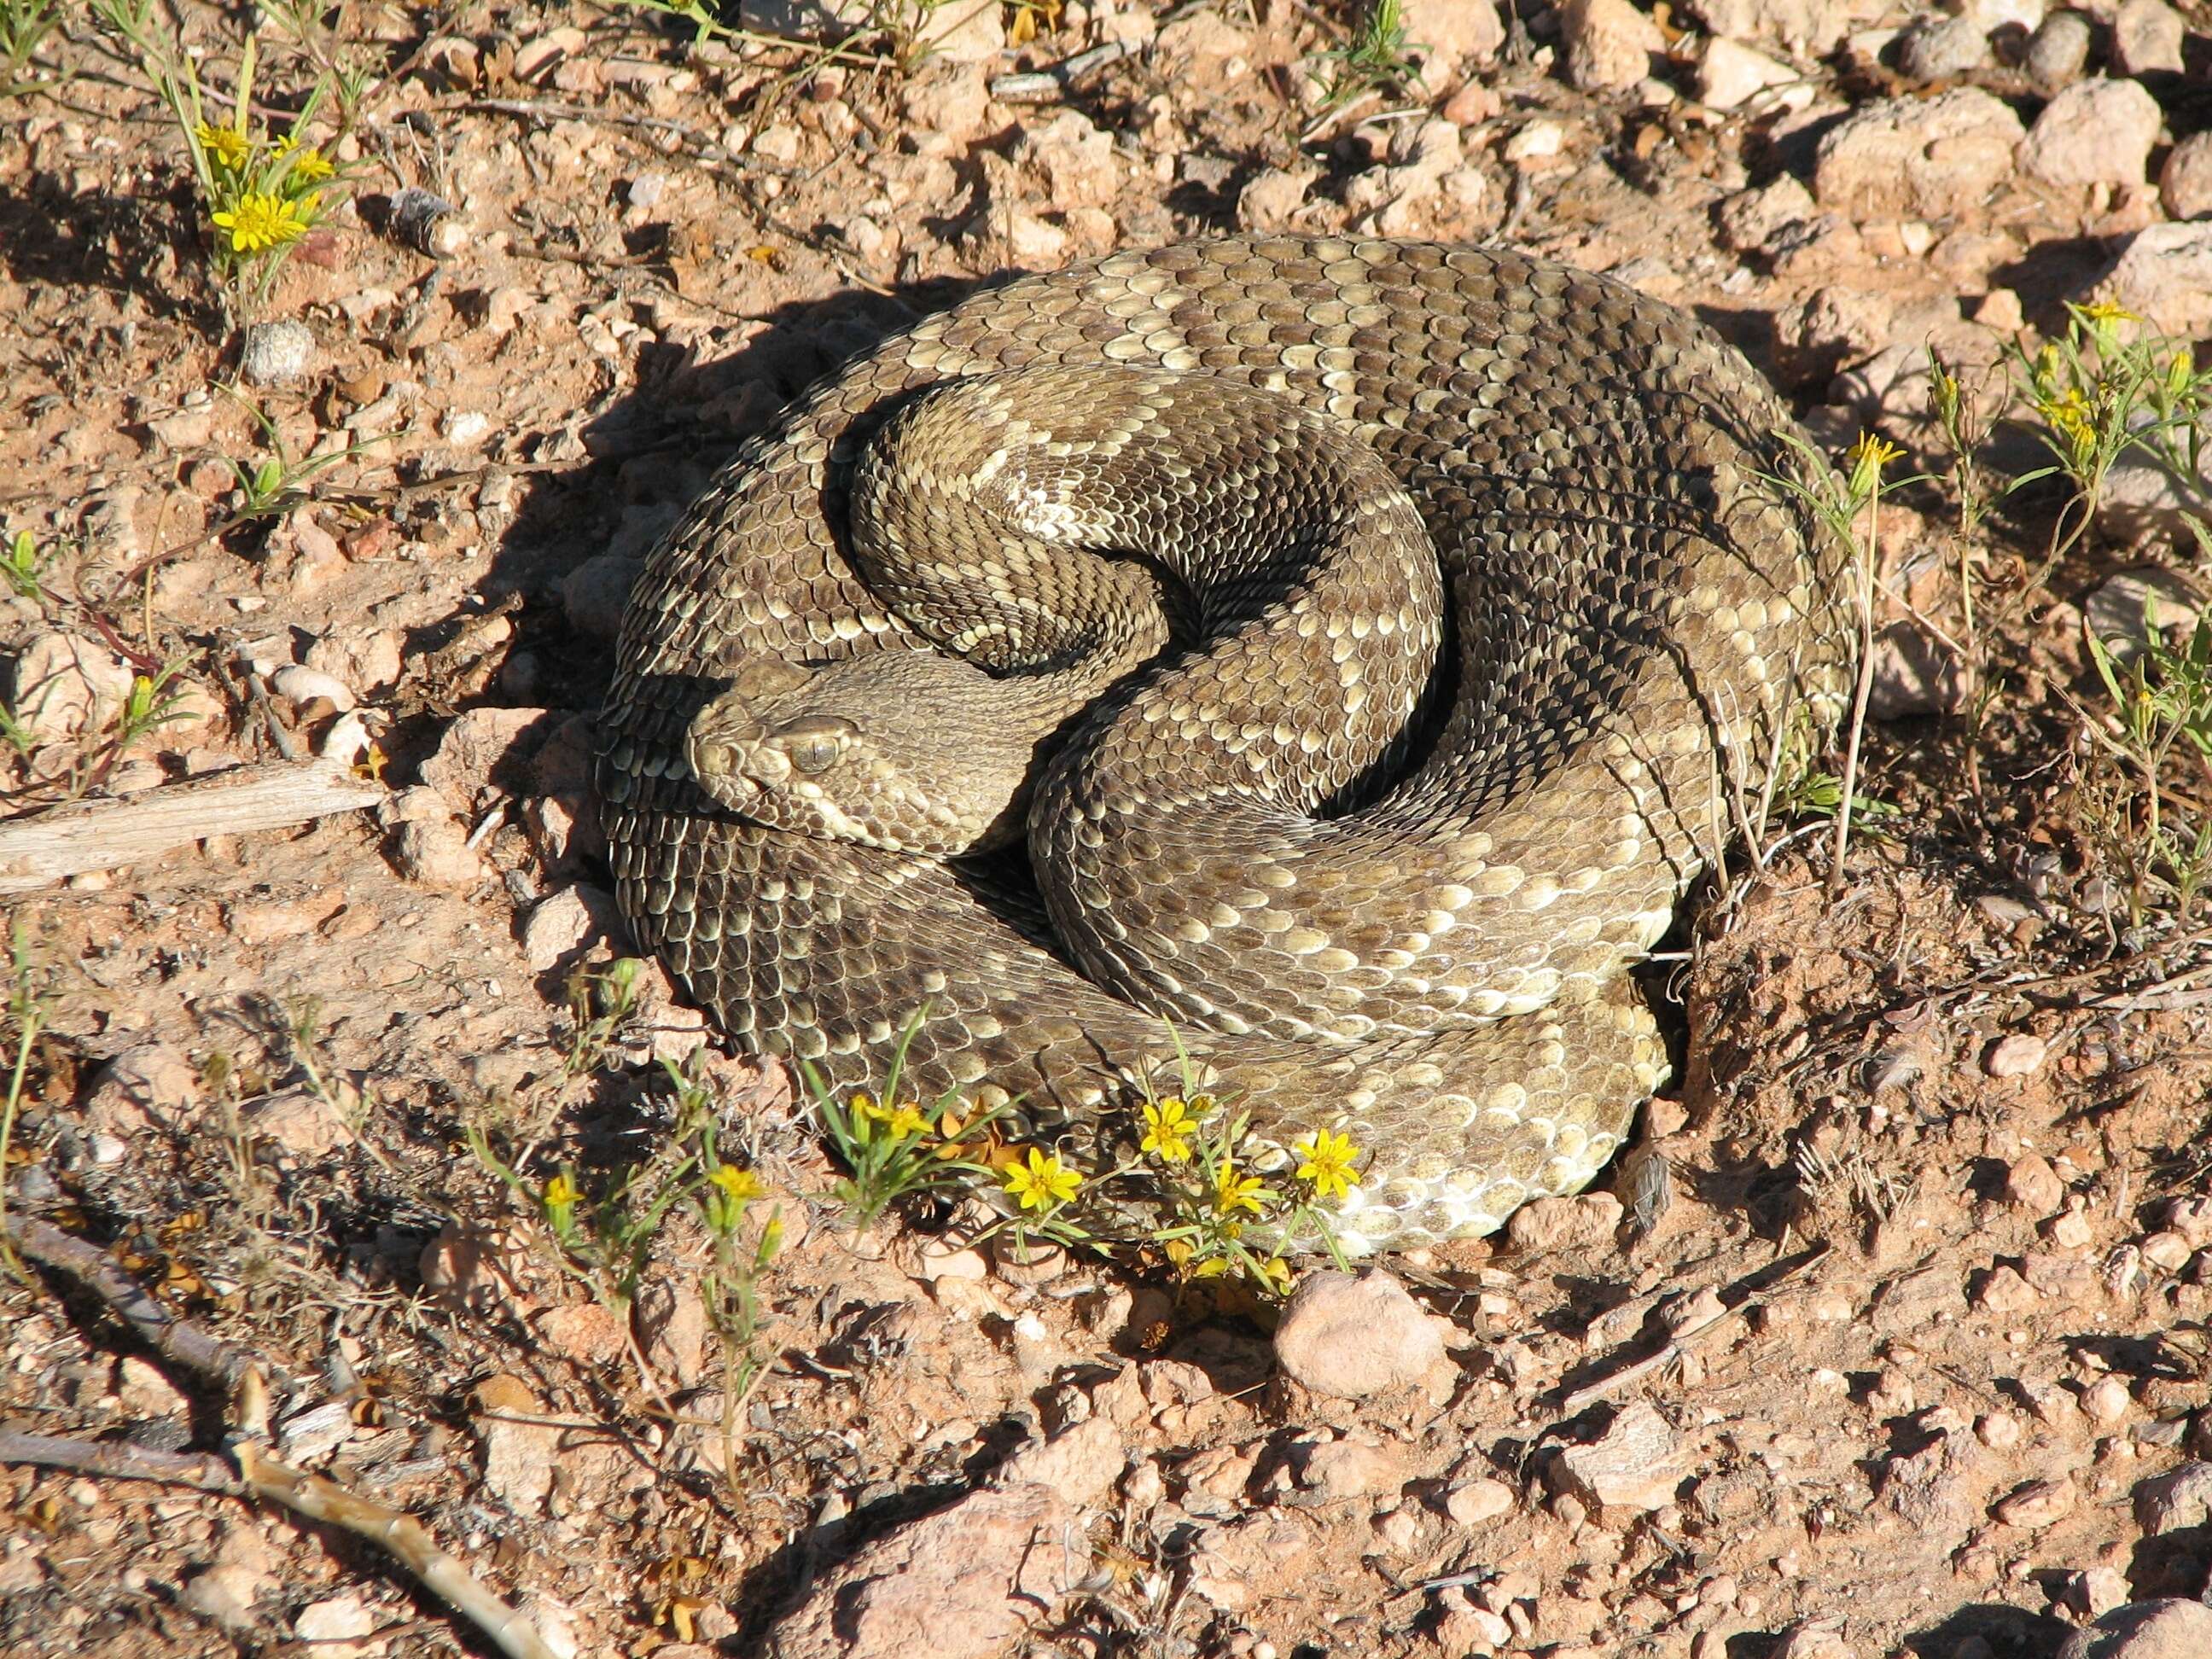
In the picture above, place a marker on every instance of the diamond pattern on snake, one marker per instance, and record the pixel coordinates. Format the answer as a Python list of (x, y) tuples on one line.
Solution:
[(1333, 658)]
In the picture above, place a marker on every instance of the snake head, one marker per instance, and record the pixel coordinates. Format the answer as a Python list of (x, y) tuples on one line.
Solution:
[(849, 751)]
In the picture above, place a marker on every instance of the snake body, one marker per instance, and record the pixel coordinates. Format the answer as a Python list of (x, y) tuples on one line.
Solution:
[(1461, 616)]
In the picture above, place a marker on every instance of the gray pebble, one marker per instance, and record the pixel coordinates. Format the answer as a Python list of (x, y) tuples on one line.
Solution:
[(276, 354)]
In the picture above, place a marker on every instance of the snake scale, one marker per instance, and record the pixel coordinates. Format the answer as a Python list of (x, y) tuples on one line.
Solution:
[(1456, 617)]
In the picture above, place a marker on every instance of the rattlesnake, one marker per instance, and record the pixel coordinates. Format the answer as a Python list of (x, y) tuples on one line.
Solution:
[(1381, 861)]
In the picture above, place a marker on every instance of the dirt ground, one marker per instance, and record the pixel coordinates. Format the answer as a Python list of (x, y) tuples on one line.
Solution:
[(1913, 1359)]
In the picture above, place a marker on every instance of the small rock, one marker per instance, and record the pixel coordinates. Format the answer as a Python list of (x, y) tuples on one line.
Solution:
[(1915, 674), (338, 1627), (2165, 276), (1812, 1642), (1460, 35), (2003, 1291), (147, 1086), (2185, 182), (1810, 28), (2095, 1592), (1081, 1462), (65, 687), (536, 59), (2146, 38), (1753, 219), (2192, 1219), (1942, 49), (1610, 43), (2178, 1499), (301, 1121), (517, 1456), (1731, 74), (307, 685), (567, 922), (1338, 1471), (2145, 1630), (276, 354), (434, 852), (582, 1330), (2016, 1055), (2037, 1504), (226, 1592), (2058, 52), (1814, 339), (310, 1436), (1472, 1501), (1917, 158), (2168, 1252), (975, 1576), (947, 105), (142, 1391), (2124, 608), (2032, 1186), (1273, 196), (1585, 1221), (2096, 132), (486, 752), (1635, 1467), (1354, 1337), (671, 1327), (2106, 1400)]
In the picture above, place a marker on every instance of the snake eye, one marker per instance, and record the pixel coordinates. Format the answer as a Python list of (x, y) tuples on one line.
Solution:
[(814, 741)]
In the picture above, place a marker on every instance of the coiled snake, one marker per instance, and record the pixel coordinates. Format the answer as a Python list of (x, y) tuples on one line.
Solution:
[(1460, 619)]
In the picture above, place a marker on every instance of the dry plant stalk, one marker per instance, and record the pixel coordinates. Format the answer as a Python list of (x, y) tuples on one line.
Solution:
[(394, 1531)]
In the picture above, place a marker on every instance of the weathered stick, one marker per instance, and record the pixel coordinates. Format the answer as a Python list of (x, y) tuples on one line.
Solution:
[(393, 1530), (104, 835)]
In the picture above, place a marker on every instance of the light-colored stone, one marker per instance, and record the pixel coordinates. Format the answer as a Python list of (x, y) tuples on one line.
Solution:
[(2165, 276), (1338, 1471), (563, 924), (150, 1085), (226, 1592), (1585, 1221), (1830, 327), (518, 1454), (2097, 132), (974, 1577), (2058, 53), (2185, 182), (339, 1628), (1081, 1462), (1471, 1503), (1610, 43), (1813, 28), (2146, 38), (1731, 74), (2178, 1499), (2015, 1054), (64, 687), (2032, 1186), (276, 353), (1459, 36), (2038, 1504), (1942, 49), (434, 852), (1273, 195), (2146, 1630), (1917, 158), (1356, 1336), (486, 752), (1634, 1468)]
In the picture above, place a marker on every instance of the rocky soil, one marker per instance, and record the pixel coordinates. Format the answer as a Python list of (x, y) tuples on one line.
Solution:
[(1893, 1341)]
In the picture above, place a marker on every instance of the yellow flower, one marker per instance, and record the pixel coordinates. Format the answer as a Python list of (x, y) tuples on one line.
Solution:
[(1233, 1191), (2104, 312), (1872, 449), (1167, 1130), (907, 1121), (2069, 414), (1043, 1183), (226, 145), (1325, 1161), (559, 1198), (1275, 1274), (739, 1184), (259, 221), (864, 1105), (308, 165)]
